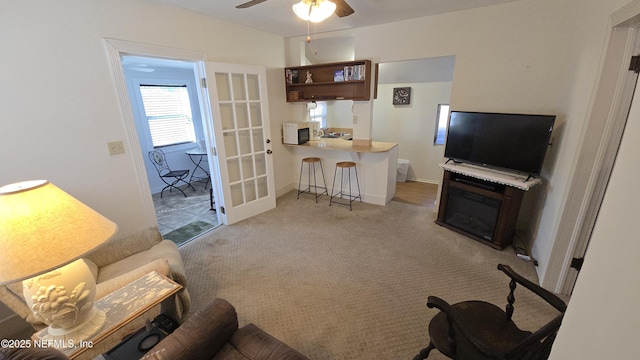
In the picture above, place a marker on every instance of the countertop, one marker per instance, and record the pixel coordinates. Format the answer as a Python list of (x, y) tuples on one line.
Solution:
[(347, 145)]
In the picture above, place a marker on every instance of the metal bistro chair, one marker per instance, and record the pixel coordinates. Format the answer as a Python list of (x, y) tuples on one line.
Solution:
[(168, 176), (478, 330)]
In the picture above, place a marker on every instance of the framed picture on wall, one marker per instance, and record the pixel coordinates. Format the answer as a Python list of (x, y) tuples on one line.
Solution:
[(402, 96)]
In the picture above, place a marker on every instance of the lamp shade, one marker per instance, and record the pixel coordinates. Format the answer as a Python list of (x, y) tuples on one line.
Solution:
[(43, 228), (314, 10)]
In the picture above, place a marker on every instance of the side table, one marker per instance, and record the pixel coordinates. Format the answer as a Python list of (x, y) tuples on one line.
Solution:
[(127, 309), (197, 156)]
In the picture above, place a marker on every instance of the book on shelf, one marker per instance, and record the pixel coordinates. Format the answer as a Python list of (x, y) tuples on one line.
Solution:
[(354, 72), (291, 76), (338, 75)]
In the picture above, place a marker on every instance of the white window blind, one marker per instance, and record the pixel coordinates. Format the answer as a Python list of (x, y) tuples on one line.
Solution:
[(319, 113), (168, 112)]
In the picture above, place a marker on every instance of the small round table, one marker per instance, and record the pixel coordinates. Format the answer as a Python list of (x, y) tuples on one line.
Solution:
[(197, 156)]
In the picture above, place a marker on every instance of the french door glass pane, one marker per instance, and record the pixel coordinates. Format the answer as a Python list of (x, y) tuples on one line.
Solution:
[(230, 143), (233, 166), (258, 140), (253, 87), (263, 187), (242, 116), (255, 113), (261, 164), (226, 117), (239, 91), (244, 140), (247, 167), (236, 194), (223, 87), (250, 190)]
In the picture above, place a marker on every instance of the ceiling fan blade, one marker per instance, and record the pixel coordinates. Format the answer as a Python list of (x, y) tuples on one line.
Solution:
[(249, 4), (342, 8)]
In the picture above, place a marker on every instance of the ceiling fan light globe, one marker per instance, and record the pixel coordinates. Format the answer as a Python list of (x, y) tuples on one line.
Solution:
[(301, 10), (314, 11)]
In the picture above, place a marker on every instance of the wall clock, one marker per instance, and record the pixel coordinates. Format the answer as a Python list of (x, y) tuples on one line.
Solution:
[(402, 96)]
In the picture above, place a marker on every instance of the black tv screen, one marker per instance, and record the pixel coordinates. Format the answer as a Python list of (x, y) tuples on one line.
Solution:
[(514, 142)]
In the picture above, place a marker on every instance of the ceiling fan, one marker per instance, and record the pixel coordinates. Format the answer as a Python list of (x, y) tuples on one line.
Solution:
[(342, 8)]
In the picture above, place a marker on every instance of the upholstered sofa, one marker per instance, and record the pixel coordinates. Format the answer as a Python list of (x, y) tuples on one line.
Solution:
[(116, 263), (211, 333)]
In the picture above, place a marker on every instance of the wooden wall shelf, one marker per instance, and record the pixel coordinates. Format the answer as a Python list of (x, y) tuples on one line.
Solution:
[(325, 86)]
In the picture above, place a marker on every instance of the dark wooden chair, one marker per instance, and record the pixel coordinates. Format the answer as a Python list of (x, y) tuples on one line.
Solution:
[(477, 330)]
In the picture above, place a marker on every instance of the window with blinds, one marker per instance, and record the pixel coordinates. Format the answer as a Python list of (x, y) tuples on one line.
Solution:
[(441, 124), (319, 113), (168, 112)]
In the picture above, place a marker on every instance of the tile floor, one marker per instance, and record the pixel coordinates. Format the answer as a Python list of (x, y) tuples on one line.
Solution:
[(173, 210)]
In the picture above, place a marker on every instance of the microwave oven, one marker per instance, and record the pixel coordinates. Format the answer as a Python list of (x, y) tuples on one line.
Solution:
[(295, 133)]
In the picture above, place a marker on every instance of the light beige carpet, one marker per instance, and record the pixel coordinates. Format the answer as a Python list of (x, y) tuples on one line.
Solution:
[(336, 284)]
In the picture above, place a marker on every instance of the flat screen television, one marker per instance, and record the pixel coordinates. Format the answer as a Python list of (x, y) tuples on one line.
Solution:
[(513, 142)]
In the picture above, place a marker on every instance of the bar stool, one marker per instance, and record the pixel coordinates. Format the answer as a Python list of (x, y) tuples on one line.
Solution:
[(345, 165), (311, 163)]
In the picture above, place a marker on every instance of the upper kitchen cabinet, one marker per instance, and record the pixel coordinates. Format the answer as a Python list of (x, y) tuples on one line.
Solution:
[(349, 80)]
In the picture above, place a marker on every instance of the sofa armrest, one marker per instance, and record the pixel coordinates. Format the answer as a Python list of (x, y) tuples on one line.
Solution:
[(17, 305), (125, 245), (200, 337)]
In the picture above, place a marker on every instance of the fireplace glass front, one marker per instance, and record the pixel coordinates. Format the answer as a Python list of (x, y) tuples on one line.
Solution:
[(471, 212)]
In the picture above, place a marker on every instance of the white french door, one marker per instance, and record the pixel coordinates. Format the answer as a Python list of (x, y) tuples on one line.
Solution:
[(242, 152)]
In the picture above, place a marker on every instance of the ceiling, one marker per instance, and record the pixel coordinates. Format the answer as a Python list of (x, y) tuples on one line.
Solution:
[(276, 16)]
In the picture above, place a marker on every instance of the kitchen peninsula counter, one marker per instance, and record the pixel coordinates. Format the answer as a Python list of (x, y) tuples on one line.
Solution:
[(347, 145), (376, 164)]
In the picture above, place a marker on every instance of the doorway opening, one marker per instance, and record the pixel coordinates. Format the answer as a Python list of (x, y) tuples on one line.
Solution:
[(165, 104)]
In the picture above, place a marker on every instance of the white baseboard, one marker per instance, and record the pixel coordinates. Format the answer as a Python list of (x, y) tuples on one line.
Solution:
[(426, 181)]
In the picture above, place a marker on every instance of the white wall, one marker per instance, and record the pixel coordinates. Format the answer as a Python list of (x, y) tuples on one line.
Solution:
[(602, 321), (60, 102), (529, 56), (413, 126), (339, 114)]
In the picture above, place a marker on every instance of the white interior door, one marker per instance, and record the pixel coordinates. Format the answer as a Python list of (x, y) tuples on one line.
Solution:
[(242, 151)]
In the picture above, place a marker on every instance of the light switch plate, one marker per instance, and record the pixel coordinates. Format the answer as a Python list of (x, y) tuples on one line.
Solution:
[(116, 147)]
